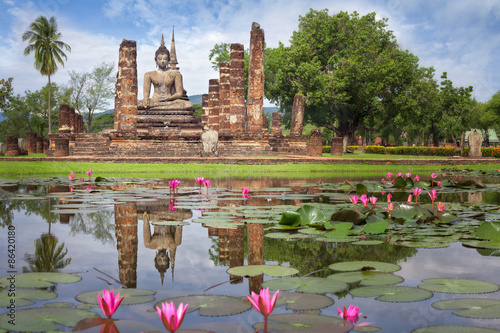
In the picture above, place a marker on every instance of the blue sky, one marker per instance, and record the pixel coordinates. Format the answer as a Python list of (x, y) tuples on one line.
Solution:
[(461, 37)]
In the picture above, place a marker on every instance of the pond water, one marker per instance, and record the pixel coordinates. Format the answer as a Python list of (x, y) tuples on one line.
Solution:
[(134, 234)]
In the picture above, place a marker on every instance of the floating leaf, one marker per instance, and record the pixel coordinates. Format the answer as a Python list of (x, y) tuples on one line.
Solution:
[(368, 242), (38, 280), (393, 293), (454, 329), (489, 230), (471, 307), (311, 215), (284, 235), (299, 322), (368, 278), (459, 286), (303, 301), (360, 328), (269, 270), (347, 266), (290, 218), (306, 285), (404, 211), (45, 319), (483, 244), (131, 296), (22, 297), (211, 305)]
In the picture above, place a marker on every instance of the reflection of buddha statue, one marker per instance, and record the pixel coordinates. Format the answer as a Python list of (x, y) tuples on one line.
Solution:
[(169, 93)]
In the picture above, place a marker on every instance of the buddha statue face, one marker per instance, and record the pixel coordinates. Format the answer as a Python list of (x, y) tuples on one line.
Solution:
[(162, 60)]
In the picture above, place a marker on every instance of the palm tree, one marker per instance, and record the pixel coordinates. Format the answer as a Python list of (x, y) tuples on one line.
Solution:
[(43, 39)]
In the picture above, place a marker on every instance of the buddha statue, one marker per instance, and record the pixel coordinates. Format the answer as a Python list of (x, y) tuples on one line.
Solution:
[(169, 93)]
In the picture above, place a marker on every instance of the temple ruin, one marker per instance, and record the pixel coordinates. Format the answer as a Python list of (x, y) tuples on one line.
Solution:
[(164, 124)]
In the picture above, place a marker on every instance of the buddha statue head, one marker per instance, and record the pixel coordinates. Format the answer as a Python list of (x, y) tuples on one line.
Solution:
[(162, 56)]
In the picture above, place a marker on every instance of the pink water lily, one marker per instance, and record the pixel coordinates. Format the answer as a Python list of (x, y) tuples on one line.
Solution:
[(383, 181), (109, 302), (389, 196), (416, 178), (399, 174), (408, 175), (351, 314), (373, 200), (200, 181), (354, 199), (389, 175), (71, 176), (170, 316), (439, 183), (89, 172), (264, 303), (390, 207), (416, 193), (433, 175), (433, 194), (244, 193), (409, 199), (441, 206), (364, 200), (173, 184)]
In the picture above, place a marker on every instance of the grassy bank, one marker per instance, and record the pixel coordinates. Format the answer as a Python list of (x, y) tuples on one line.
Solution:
[(14, 169)]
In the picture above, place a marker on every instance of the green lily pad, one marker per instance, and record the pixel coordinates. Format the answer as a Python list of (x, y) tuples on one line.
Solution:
[(376, 227), (348, 266), (303, 301), (299, 322), (284, 235), (290, 218), (311, 215), (424, 245), (306, 285), (210, 305), (482, 244), (393, 293), (459, 286), (404, 211), (368, 242), (454, 329), (39, 280), (489, 230), (23, 296), (58, 305), (45, 319), (471, 307), (131, 296), (368, 278), (366, 328), (269, 270)]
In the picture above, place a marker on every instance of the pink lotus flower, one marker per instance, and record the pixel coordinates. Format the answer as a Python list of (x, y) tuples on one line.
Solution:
[(352, 314), (390, 207), (364, 200), (408, 175), (363, 236), (207, 184), (416, 178), (373, 200), (389, 196), (399, 174), (71, 176), (200, 180), (170, 316), (409, 198), (441, 206), (416, 192), (89, 188), (264, 303), (244, 193), (354, 199), (383, 181), (82, 179), (173, 184), (109, 302), (389, 175), (439, 184), (433, 175), (89, 172), (433, 196)]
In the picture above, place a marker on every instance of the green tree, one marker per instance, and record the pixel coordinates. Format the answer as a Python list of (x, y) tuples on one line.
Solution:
[(483, 118), (43, 38), (92, 91), (5, 93)]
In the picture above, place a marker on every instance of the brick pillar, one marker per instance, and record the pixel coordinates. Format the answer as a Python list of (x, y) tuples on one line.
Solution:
[(255, 250), (61, 147), (12, 146), (237, 88), (45, 145), (337, 146), (126, 243), (213, 104), (39, 144), (64, 119), (31, 142), (224, 102), (126, 88), (316, 143), (72, 119), (297, 115), (276, 124), (204, 111), (80, 123), (255, 95)]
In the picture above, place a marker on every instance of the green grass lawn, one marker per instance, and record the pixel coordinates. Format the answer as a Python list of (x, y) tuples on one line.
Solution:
[(360, 155)]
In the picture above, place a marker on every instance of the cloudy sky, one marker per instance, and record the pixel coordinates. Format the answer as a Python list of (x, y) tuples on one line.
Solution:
[(461, 37)]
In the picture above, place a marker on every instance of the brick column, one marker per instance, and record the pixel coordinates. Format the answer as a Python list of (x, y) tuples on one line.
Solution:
[(39, 144), (126, 88), (297, 115), (204, 111), (12, 145), (64, 119), (316, 143), (127, 243), (337, 146), (79, 123), (31, 142), (224, 102), (213, 104), (255, 95), (276, 124), (72, 119), (61, 147), (237, 88)]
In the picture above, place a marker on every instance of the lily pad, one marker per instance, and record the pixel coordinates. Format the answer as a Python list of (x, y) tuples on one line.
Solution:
[(299, 322), (471, 307), (23, 296), (132, 296), (39, 280), (303, 301), (313, 285), (489, 230), (45, 319), (482, 244), (459, 286), (454, 329), (211, 305), (393, 293), (269, 270), (348, 266), (368, 242), (368, 278)]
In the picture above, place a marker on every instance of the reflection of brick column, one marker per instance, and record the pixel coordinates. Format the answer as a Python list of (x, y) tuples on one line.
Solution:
[(31, 142), (224, 245), (204, 111), (213, 104), (64, 119), (316, 143), (236, 250), (255, 250), (299, 102), (126, 243), (237, 88), (224, 103), (276, 124), (255, 96), (126, 88), (12, 145)]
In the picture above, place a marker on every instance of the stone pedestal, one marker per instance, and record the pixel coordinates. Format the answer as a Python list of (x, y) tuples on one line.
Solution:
[(316, 143), (337, 146), (255, 96), (475, 142), (12, 146), (237, 88), (297, 123), (276, 124), (126, 88), (209, 140), (61, 147)]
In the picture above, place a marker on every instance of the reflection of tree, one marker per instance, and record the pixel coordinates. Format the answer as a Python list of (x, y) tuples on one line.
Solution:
[(6, 213), (48, 257), (98, 224)]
